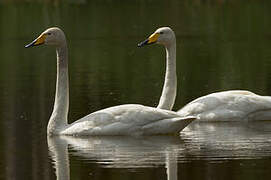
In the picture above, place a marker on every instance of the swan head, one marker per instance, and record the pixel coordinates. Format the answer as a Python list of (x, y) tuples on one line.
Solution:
[(163, 35), (53, 36)]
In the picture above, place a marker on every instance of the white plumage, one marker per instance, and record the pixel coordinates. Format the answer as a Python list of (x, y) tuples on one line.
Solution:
[(130, 119), (233, 105), (119, 120)]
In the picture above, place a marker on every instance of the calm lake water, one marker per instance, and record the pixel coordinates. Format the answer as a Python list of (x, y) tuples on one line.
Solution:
[(221, 45)]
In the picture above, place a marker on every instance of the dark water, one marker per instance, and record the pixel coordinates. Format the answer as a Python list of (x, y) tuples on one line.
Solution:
[(221, 45)]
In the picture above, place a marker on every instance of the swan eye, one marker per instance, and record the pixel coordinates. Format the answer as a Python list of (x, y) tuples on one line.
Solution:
[(161, 32), (49, 33)]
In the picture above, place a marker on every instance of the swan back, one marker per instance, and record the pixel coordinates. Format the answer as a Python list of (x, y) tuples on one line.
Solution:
[(129, 119), (233, 105)]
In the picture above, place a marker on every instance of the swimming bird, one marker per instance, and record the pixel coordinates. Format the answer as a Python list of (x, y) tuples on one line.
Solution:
[(233, 105), (129, 119)]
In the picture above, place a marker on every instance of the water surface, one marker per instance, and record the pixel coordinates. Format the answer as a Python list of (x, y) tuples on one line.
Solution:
[(232, 151)]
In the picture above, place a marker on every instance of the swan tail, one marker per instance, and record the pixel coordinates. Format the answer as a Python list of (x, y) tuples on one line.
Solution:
[(184, 121), (187, 118), (168, 126)]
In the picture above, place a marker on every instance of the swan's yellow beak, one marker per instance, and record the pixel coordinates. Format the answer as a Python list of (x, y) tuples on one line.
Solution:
[(40, 40), (152, 39)]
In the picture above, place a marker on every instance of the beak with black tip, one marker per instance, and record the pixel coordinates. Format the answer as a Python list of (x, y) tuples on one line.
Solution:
[(143, 43), (152, 39), (39, 41)]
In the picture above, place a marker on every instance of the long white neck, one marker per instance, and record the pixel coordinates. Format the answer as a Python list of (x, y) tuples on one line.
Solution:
[(167, 98), (58, 119)]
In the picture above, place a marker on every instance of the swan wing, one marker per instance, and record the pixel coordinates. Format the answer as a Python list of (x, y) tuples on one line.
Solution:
[(129, 120), (228, 106)]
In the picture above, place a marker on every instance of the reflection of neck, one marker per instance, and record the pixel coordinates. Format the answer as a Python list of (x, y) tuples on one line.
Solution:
[(59, 154), (171, 165), (167, 98), (58, 118)]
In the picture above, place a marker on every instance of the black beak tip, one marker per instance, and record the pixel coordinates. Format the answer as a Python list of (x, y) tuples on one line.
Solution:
[(143, 43), (30, 44), (27, 46)]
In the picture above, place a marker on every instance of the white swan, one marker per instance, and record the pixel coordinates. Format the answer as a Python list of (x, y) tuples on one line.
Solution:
[(128, 119), (231, 105)]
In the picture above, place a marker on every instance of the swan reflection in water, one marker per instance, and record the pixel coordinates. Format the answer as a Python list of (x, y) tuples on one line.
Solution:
[(116, 152), (199, 141), (227, 140)]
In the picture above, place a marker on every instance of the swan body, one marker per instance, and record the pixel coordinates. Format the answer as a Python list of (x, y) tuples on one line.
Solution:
[(119, 120), (130, 119), (233, 105)]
